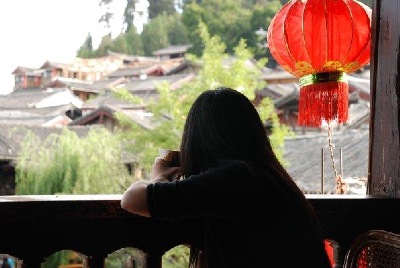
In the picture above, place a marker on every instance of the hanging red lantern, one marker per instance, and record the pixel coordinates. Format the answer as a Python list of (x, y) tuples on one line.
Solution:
[(320, 42)]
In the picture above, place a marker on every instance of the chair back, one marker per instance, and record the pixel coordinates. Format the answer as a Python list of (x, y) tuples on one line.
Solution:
[(374, 248)]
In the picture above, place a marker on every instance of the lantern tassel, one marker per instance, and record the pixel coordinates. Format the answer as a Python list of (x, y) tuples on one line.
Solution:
[(323, 101)]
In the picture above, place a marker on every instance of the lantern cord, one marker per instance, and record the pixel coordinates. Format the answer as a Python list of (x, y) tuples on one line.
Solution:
[(331, 147), (341, 187)]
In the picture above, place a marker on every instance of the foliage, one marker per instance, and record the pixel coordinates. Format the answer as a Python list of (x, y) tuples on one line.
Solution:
[(232, 20), (86, 50), (129, 14), (251, 3), (119, 44), (168, 29), (125, 257), (65, 163), (158, 7), (63, 259), (106, 44), (176, 31), (216, 68), (57, 259), (134, 42), (225, 18), (177, 257), (260, 19)]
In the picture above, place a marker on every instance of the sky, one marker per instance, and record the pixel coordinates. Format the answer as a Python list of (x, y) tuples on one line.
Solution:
[(34, 31)]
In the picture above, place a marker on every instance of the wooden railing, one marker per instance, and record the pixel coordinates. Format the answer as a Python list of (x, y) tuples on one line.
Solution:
[(34, 227)]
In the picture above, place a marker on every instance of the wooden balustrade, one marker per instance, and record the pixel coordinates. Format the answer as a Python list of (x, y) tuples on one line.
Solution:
[(34, 227)]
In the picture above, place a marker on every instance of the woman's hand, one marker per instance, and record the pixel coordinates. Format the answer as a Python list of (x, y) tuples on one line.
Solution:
[(134, 198), (161, 171)]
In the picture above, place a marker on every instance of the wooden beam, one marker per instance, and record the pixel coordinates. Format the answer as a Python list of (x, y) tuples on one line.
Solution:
[(384, 148)]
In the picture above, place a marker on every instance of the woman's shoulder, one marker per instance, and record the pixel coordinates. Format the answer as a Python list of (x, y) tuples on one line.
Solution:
[(231, 164), (233, 167)]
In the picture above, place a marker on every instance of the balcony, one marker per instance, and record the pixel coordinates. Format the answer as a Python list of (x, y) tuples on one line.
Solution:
[(35, 227)]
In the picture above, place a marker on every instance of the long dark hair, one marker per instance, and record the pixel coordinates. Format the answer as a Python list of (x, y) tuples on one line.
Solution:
[(223, 124)]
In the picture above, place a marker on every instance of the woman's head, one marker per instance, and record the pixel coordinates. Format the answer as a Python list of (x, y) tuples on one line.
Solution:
[(223, 124)]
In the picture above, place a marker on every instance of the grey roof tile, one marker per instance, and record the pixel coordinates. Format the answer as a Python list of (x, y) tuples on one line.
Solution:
[(108, 99), (303, 155), (172, 49)]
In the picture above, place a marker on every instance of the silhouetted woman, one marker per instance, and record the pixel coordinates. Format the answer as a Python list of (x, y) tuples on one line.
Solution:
[(249, 212)]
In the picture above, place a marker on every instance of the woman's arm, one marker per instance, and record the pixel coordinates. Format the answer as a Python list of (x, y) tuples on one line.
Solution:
[(134, 199)]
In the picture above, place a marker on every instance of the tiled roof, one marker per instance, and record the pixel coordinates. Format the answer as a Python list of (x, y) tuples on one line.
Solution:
[(359, 114), (164, 67), (109, 83), (52, 64), (8, 148), (271, 74), (289, 96), (138, 115), (360, 86), (150, 83), (35, 106), (126, 72), (141, 117), (23, 70), (108, 99), (303, 156), (34, 116), (66, 82), (23, 98), (89, 116), (132, 58), (85, 86), (174, 49)]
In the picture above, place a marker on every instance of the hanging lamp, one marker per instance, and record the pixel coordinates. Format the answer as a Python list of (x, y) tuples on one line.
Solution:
[(320, 42)]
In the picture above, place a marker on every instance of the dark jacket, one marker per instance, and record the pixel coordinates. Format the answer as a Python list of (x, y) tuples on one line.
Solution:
[(246, 220)]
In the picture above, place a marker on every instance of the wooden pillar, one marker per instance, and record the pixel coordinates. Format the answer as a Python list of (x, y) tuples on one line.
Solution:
[(96, 261), (153, 261), (384, 148)]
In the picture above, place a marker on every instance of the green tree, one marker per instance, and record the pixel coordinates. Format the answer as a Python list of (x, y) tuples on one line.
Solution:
[(65, 163), (260, 19), (129, 14), (191, 17), (225, 18), (120, 44), (169, 117), (252, 3), (176, 30), (158, 7), (157, 27), (106, 43), (86, 50), (134, 42)]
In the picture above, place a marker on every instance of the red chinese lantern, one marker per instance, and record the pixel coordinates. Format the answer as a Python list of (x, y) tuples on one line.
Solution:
[(320, 42)]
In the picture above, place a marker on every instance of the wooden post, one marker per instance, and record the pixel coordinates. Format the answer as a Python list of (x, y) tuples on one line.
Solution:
[(384, 148), (322, 170)]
